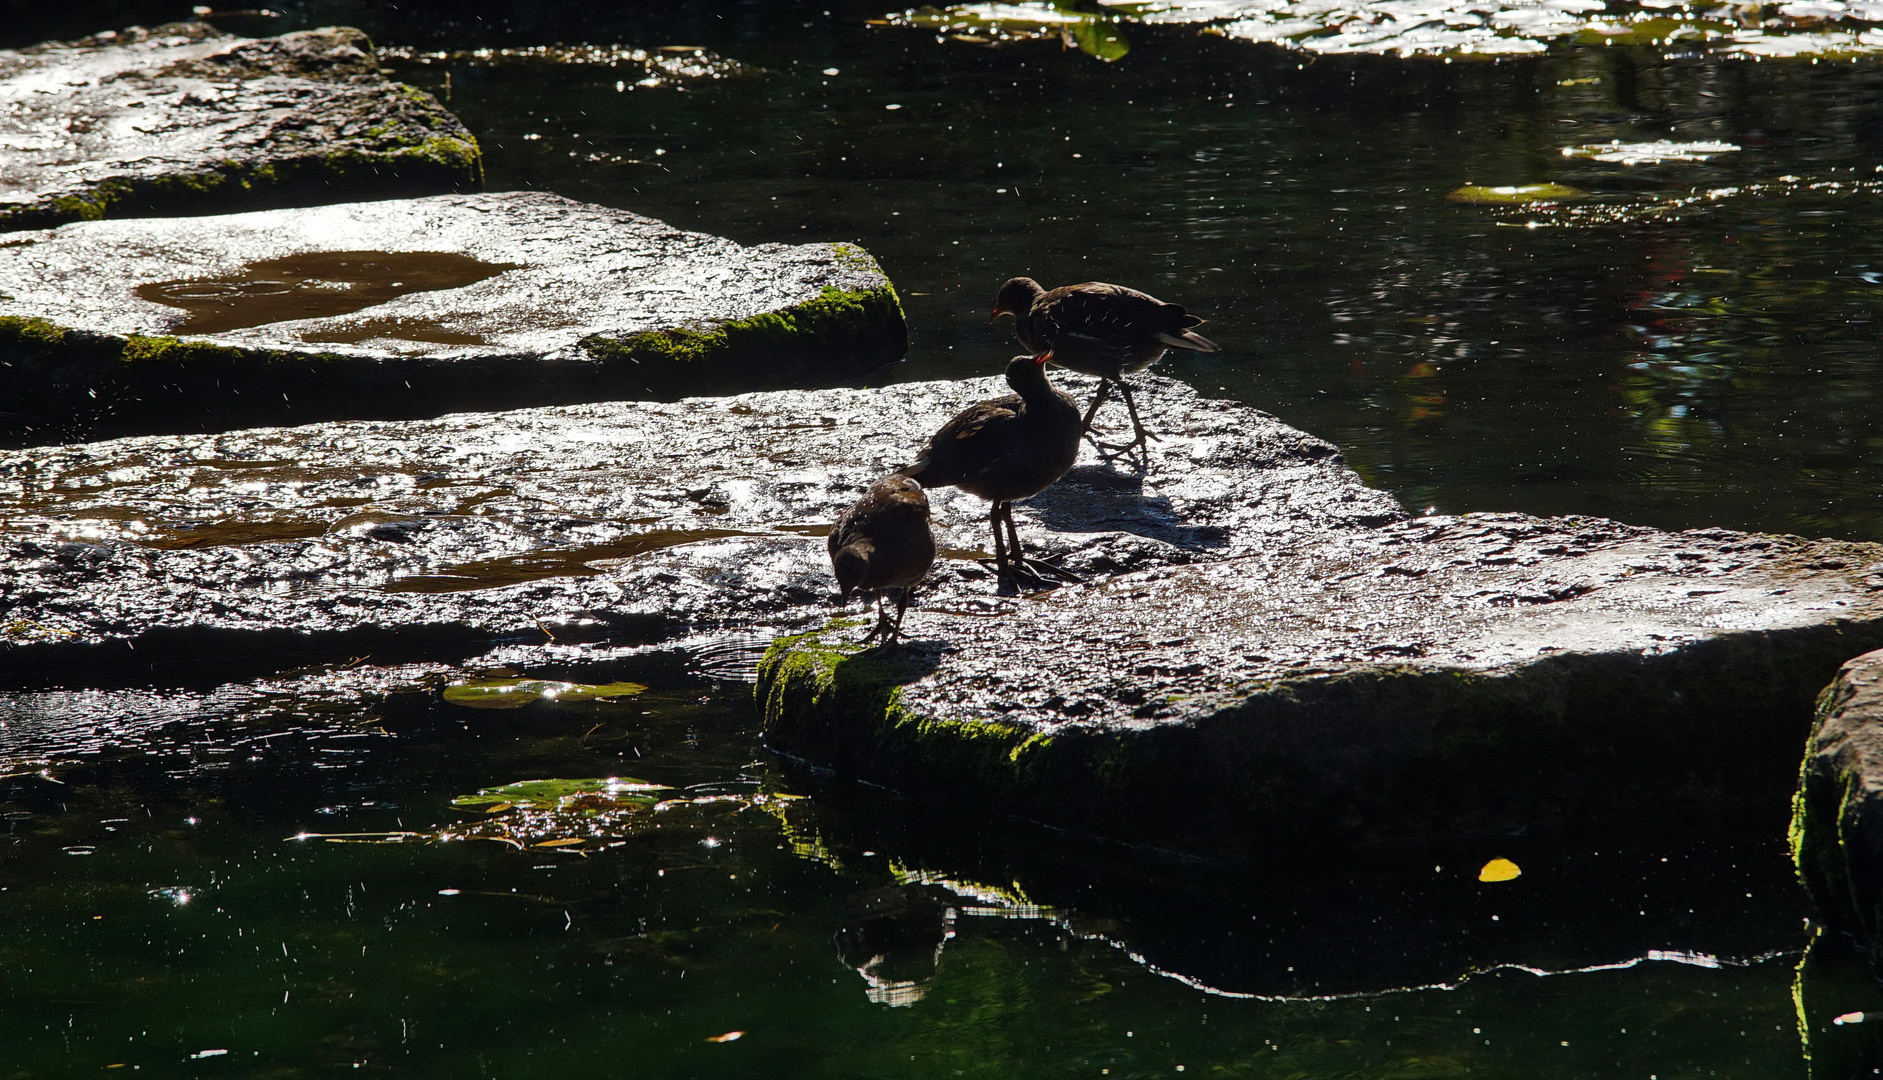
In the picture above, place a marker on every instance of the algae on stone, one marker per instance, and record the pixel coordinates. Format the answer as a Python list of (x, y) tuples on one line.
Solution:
[(1836, 835)]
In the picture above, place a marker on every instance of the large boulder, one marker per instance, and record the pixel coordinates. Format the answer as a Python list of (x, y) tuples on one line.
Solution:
[(413, 308), (1837, 820), (186, 119), (1444, 675)]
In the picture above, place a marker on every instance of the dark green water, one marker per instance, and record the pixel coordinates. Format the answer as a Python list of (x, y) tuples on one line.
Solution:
[(162, 901), (1714, 363)]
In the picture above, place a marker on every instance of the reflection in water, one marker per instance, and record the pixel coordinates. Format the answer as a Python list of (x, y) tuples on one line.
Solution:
[(893, 936), (319, 285)]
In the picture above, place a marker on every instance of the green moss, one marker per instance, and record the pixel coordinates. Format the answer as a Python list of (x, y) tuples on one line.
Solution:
[(438, 161), (837, 321), (142, 349), (819, 690), (21, 334)]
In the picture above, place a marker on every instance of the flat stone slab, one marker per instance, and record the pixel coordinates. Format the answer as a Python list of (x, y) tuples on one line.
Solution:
[(415, 307), (186, 119), (1434, 676), (1837, 820), (618, 522)]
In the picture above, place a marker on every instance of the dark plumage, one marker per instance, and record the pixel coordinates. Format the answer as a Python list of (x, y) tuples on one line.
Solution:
[(1099, 329), (1005, 449), (883, 542)]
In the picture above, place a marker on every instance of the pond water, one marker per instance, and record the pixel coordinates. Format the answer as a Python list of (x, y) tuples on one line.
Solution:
[(1675, 342)]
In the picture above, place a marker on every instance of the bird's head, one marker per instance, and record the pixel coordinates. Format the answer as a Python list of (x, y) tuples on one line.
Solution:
[(1015, 297), (1025, 371)]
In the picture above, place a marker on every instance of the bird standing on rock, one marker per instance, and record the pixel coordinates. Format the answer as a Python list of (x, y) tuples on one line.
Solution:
[(883, 542), (1004, 449), (1099, 329)]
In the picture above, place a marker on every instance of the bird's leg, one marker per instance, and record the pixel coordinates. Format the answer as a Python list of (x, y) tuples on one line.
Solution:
[(1143, 435), (1104, 391), (882, 621), (902, 605), (1000, 547), (1037, 569), (1140, 434)]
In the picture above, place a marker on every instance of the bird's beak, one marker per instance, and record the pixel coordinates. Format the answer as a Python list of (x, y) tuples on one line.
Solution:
[(994, 316)]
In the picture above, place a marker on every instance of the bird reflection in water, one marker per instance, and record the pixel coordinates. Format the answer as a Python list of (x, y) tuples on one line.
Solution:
[(893, 937)]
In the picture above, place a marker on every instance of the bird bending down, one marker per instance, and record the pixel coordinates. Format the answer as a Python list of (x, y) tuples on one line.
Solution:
[(883, 542), (1099, 329), (1004, 449)]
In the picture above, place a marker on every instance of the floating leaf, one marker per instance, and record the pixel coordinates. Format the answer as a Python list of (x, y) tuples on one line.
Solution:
[(1849, 1018), (598, 794), (730, 1036), (516, 693), (1098, 39), (1519, 193), (1499, 870)]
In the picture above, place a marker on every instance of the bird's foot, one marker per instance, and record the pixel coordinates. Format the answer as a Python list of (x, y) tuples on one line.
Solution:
[(1040, 567), (888, 633), (1109, 452)]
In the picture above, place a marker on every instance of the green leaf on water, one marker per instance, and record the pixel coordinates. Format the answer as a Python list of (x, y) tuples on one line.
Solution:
[(1099, 38), (587, 796), (516, 693), (1519, 193)]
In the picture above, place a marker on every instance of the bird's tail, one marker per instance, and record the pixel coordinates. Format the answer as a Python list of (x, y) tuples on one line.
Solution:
[(1185, 339)]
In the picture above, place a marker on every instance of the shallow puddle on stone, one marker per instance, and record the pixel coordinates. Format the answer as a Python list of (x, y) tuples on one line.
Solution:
[(318, 285), (554, 562), (401, 329), (228, 533)]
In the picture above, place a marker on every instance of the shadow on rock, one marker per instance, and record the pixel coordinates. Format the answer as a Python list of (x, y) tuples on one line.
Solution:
[(1094, 498)]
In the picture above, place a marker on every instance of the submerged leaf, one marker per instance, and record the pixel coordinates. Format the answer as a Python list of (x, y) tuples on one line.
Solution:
[(1499, 870), (592, 795), (1520, 193), (1099, 39), (516, 693)]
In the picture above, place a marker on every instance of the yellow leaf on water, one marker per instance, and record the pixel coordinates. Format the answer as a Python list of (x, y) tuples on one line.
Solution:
[(1498, 870), (730, 1036)]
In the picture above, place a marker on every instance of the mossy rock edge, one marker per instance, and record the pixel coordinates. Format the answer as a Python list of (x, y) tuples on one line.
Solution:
[(1375, 753)]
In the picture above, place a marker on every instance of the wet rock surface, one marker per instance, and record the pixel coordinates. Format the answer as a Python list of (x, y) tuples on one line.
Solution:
[(622, 522), (1837, 823), (1438, 675), (1438, 28), (184, 118), (408, 308)]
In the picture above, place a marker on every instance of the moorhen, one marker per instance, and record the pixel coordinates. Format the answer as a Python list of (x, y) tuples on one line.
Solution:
[(883, 542), (1005, 449), (1099, 329)]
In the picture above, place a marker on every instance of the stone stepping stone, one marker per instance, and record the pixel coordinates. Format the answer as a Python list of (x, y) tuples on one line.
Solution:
[(545, 528), (183, 118), (1837, 822), (1438, 676), (412, 308)]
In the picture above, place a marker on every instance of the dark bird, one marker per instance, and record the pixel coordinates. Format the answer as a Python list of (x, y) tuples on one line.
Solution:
[(883, 542), (1099, 329), (1005, 449)]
